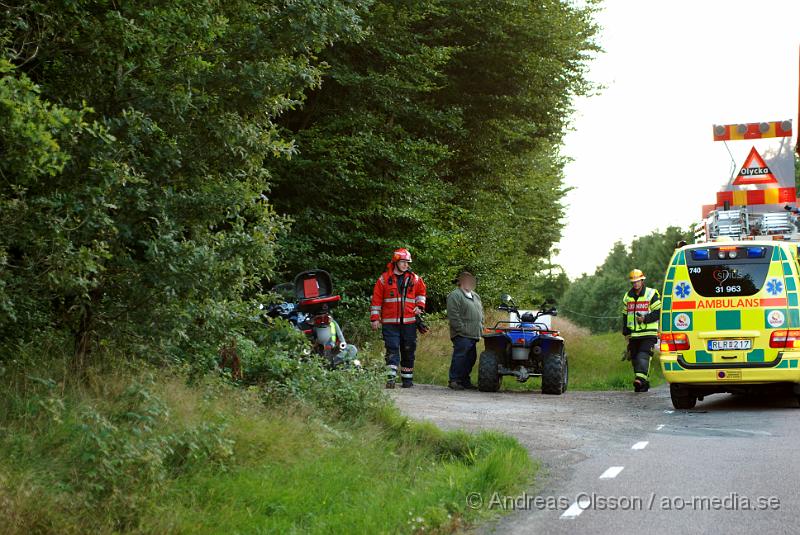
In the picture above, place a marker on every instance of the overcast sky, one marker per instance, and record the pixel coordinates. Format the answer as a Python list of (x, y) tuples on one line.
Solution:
[(642, 150)]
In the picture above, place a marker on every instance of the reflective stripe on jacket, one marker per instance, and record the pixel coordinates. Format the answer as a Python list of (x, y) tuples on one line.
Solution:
[(395, 297), (648, 303)]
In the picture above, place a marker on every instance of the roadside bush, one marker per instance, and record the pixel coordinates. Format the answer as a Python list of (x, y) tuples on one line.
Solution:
[(348, 393), (280, 365), (271, 355), (112, 452)]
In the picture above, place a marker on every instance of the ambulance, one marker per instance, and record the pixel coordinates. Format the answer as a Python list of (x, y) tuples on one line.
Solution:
[(731, 313), (730, 319)]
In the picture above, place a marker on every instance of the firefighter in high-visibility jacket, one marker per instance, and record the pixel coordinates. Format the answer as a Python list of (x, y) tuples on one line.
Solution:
[(641, 309), (398, 296)]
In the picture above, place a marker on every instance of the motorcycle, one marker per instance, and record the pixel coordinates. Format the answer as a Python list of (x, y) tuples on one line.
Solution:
[(308, 310)]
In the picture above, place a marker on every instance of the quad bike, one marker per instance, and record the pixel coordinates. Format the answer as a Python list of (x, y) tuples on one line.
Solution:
[(524, 346), (309, 312)]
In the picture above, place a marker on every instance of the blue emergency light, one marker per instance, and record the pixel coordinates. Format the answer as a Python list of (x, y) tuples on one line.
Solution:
[(700, 254), (756, 252)]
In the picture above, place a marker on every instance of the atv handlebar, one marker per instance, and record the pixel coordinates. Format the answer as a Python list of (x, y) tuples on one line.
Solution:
[(518, 326), (513, 308)]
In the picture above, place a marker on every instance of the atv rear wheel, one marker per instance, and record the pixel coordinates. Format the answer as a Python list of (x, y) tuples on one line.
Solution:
[(554, 374), (488, 376)]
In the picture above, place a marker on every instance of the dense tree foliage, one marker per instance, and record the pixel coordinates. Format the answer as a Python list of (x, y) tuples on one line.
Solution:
[(595, 300), (144, 218), (164, 162), (439, 132)]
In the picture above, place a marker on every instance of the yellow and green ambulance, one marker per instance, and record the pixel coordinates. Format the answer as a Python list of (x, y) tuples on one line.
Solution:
[(730, 319)]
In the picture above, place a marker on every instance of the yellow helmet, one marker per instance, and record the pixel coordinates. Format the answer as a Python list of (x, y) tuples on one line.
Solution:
[(636, 275)]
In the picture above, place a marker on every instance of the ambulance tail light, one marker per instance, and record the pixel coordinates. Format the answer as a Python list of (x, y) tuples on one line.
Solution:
[(785, 339), (671, 342)]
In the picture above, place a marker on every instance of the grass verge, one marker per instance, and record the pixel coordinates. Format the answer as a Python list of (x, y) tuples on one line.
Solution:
[(380, 477), (141, 452), (594, 360)]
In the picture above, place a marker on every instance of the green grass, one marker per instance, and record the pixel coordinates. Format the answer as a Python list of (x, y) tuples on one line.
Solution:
[(370, 479), (139, 453), (594, 360)]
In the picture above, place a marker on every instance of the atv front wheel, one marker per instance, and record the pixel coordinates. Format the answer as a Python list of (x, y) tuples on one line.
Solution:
[(488, 376), (554, 374)]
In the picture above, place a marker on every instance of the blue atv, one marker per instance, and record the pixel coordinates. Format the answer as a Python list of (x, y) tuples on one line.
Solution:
[(523, 346)]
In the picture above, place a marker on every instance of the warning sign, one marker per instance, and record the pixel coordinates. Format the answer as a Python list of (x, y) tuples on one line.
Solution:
[(754, 171)]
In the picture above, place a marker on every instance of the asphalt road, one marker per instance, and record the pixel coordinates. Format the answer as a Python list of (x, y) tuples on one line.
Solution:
[(620, 462)]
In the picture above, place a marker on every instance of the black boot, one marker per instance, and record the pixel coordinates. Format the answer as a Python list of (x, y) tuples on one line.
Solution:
[(640, 385), (407, 383), (390, 383)]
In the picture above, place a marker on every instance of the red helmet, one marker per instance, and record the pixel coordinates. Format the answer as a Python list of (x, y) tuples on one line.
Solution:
[(401, 254)]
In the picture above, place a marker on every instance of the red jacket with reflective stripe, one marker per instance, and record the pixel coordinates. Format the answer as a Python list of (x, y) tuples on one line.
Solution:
[(393, 301)]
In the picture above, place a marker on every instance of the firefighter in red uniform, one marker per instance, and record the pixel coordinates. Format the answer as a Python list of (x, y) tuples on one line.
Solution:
[(398, 296)]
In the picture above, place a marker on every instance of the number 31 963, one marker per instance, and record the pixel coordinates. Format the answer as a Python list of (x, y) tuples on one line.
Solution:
[(728, 289)]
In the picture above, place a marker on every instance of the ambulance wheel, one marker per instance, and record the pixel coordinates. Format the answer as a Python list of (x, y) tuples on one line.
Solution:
[(682, 398), (488, 376), (555, 374)]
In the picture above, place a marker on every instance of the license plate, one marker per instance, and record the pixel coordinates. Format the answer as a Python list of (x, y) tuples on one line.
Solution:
[(729, 345)]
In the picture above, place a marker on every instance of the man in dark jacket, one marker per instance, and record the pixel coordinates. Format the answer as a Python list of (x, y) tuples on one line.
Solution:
[(465, 314)]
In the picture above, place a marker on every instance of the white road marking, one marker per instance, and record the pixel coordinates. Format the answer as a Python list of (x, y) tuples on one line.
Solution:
[(612, 472), (760, 433), (640, 445), (668, 412), (575, 510), (660, 427)]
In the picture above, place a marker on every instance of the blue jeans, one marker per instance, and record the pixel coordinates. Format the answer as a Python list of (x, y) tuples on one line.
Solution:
[(401, 343), (465, 354)]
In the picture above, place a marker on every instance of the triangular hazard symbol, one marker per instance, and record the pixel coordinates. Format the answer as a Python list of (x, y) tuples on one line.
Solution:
[(754, 171)]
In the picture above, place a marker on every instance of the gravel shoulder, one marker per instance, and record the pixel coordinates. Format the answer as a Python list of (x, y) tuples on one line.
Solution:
[(564, 433), (728, 444), (557, 430)]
